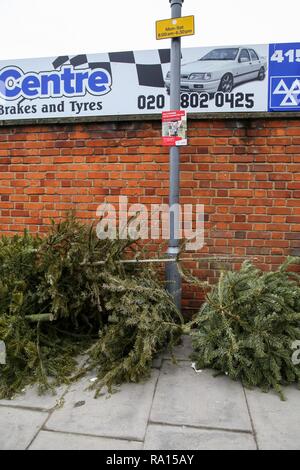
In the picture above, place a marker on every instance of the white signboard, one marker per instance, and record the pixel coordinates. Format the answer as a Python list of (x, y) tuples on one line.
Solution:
[(214, 79)]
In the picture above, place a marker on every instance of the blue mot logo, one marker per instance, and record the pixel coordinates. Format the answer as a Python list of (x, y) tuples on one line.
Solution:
[(285, 93), (15, 84)]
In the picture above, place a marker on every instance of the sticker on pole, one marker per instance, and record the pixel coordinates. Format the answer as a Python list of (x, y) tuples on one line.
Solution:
[(284, 77), (174, 128), (175, 27)]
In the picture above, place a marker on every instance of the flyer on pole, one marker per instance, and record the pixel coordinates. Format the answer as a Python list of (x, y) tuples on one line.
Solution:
[(174, 128)]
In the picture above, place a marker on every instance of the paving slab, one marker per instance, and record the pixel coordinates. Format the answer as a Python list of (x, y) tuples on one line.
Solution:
[(157, 362), (276, 422), (184, 397), (183, 351), (47, 440), (18, 427), (31, 399), (183, 438), (124, 415)]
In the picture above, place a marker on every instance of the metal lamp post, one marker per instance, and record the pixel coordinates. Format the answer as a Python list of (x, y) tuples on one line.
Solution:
[(172, 273)]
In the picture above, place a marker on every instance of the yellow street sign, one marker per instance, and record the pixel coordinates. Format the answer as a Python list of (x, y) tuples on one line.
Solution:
[(175, 27)]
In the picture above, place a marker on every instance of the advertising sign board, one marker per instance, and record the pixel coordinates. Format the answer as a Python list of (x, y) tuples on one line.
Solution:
[(249, 78)]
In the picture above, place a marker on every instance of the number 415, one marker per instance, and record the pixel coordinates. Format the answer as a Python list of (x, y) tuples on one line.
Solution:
[(293, 55)]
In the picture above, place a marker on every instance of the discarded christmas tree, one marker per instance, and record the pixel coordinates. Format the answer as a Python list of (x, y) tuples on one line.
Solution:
[(247, 327), (69, 294)]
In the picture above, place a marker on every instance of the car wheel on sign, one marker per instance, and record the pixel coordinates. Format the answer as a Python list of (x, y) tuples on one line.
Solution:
[(261, 74), (226, 84)]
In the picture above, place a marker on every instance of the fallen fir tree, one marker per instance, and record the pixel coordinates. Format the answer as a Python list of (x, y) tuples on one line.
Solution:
[(247, 327), (68, 294)]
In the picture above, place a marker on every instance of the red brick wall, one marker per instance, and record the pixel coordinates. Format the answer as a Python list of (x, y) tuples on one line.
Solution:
[(245, 172)]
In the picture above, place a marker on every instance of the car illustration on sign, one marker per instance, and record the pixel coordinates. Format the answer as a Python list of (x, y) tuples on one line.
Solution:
[(221, 70)]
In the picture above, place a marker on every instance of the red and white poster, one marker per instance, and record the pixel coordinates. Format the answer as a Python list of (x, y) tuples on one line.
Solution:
[(174, 128)]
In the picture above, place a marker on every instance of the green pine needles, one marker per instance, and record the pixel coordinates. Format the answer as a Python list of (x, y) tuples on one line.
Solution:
[(69, 294), (248, 324), (142, 321)]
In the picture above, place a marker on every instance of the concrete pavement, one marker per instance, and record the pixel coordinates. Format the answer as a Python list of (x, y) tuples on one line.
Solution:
[(177, 409)]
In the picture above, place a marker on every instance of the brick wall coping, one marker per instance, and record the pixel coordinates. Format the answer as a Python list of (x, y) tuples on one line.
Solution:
[(147, 117)]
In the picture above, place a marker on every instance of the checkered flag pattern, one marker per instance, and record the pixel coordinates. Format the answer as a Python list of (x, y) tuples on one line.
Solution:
[(148, 65)]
